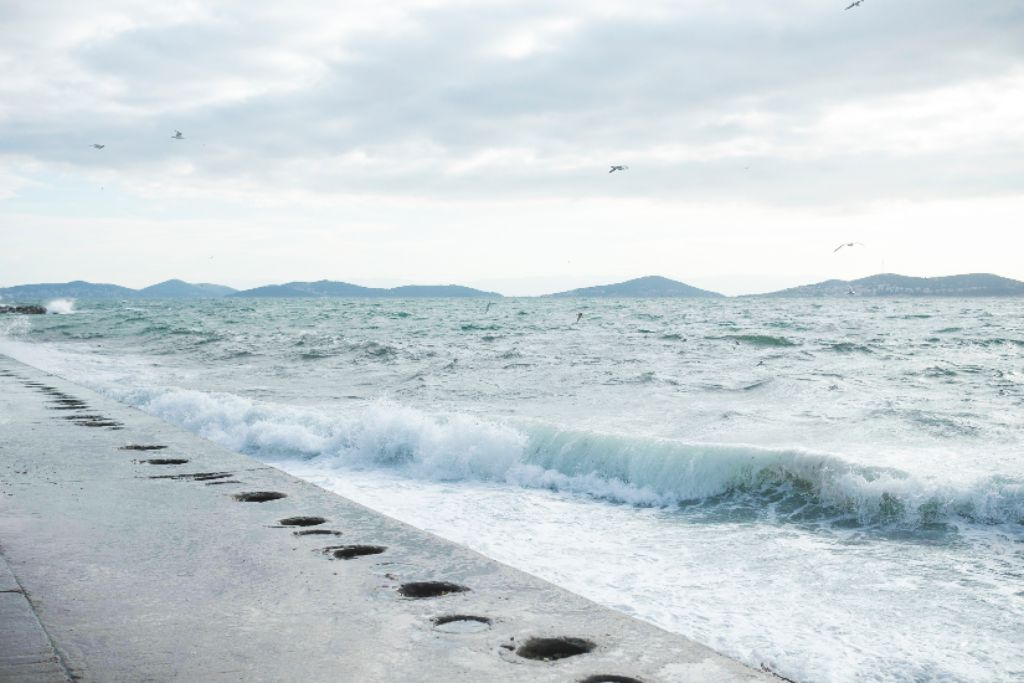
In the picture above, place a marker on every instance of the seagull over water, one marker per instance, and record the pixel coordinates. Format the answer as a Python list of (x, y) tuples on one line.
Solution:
[(98, 145), (618, 167), (847, 244), (177, 135), (855, 3)]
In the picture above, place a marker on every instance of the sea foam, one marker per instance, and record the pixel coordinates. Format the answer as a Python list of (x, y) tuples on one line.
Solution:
[(619, 468), (61, 306)]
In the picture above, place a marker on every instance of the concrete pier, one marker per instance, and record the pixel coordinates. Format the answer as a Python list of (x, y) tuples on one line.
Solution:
[(131, 550)]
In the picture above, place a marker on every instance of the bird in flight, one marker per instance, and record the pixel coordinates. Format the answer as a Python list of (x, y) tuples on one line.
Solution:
[(579, 317), (847, 244), (855, 3), (98, 145), (618, 167), (489, 304), (177, 135)]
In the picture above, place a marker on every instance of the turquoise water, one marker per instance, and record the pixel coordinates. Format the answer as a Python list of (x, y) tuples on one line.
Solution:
[(833, 488)]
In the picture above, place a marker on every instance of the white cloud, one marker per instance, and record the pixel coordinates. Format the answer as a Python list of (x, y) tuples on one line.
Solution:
[(438, 128)]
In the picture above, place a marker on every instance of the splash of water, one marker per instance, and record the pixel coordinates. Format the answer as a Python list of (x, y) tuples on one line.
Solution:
[(61, 306)]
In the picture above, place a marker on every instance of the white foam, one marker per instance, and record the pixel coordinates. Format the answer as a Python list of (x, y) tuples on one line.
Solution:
[(61, 306), (634, 470)]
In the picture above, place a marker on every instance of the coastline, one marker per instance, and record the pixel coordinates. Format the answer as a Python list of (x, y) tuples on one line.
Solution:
[(138, 568)]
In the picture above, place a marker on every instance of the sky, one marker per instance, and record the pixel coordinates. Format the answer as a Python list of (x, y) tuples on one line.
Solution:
[(449, 141)]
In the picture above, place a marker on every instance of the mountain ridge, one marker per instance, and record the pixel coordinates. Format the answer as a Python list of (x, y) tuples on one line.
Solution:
[(179, 289), (332, 288), (649, 286), (894, 285)]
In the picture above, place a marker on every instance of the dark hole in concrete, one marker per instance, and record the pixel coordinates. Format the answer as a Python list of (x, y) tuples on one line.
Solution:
[(68, 401), (606, 678), (226, 481), (550, 649), (348, 552), (461, 623), (193, 476), (459, 617), (165, 461), (317, 532), (429, 589), (139, 446), (67, 407), (258, 496), (97, 423), (301, 521), (81, 417)]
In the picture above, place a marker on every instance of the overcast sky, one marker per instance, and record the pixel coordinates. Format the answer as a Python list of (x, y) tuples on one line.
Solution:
[(469, 141)]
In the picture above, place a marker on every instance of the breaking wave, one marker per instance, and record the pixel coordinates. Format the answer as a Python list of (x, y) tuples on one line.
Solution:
[(61, 306), (632, 470)]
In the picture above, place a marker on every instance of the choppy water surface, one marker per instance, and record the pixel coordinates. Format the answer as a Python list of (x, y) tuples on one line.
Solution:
[(833, 488)]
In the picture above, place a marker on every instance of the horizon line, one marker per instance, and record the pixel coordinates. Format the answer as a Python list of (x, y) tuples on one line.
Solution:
[(715, 294)]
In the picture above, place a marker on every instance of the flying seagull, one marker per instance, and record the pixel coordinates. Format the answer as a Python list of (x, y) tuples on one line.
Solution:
[(847, 244), (618, 168), (579, 317), (855, 3), (98, 145), (177, 135)]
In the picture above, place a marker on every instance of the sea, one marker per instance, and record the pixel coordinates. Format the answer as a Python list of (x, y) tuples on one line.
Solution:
[(830, 489)]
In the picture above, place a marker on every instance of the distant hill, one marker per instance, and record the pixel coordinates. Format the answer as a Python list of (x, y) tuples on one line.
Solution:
[(171, 289), (66, 290), (651, 287), (179, 289), (889, 284), (439, 291), (329, 288)]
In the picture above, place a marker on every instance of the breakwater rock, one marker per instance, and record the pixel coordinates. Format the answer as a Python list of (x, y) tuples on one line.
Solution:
[(33, 310)]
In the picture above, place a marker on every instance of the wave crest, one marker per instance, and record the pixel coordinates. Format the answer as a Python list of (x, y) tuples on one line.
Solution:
[(623, 469)]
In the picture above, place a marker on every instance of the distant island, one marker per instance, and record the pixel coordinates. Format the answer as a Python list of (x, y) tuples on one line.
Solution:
[(650, 287), (179, 289), (170, 289), (329, 288), (891, 285)]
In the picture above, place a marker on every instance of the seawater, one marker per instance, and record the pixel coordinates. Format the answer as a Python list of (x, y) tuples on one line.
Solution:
[(834, 488)]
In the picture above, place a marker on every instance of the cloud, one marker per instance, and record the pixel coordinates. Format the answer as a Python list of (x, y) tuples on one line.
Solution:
[(794, 103)]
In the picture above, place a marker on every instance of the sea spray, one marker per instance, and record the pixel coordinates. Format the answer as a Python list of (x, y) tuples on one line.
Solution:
[(61, 306), (633, 470)]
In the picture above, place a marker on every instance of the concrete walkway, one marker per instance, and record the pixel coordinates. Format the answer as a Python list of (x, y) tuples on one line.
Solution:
[(153, 565)]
